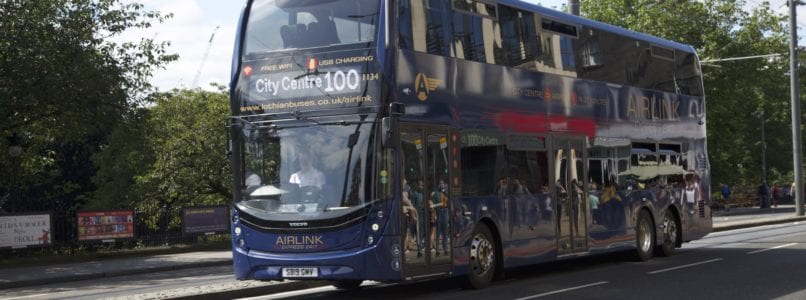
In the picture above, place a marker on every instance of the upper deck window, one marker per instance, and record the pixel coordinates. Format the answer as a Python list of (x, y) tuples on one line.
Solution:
[(560, 27), (518, 36), (478, 7), (285, 24), (483, 31)]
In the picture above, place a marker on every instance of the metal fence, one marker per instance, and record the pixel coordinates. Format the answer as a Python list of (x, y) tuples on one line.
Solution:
[(154, 229)]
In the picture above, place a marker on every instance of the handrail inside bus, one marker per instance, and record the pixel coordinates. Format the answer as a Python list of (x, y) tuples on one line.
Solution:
[(386, 21)]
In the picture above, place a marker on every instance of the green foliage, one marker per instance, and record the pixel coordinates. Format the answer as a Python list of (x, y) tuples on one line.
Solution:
[(96, 135), (736, 91), (174, 156), (188, 135), (118, 162), (64, 86)]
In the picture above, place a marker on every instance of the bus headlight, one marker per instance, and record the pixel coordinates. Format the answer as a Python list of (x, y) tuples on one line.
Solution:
[(376, 227), (237, 230), (241, 243), (370, 240)]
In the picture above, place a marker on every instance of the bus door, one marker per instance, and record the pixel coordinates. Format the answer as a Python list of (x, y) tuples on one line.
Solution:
[(571, 193), (425, 224)]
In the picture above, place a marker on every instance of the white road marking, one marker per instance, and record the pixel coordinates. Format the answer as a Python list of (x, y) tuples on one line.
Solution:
[(773, 248), (294, 293), (684, 266), (36, 296), (564, 290), (311, 291)]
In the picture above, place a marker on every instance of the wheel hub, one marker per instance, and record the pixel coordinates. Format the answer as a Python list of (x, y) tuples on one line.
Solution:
[(670, 230), (481, 255), (646, 237)]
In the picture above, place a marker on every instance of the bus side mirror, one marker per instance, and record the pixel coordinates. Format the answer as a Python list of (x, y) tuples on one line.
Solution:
[(397, 109), (386, 132), (387, 126)]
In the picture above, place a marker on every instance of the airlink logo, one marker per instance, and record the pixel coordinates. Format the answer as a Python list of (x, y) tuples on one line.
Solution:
[(298, 224), (424, 86), (299, 242)]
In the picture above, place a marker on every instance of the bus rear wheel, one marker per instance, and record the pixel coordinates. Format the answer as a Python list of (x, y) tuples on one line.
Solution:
[(645, 237), (347, 284), (482, 258)]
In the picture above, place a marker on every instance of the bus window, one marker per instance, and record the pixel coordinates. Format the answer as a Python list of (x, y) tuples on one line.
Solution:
[(476, 7), (644, 154), (425, 26), (475, 37), (478, 167), (281, 24), (519, 179), (557, 55), (591, 52), (519, 39), (688, 75)]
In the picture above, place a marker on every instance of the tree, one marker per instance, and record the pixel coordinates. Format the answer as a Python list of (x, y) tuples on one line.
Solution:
[(64, 85), (176, 156), (735, 91)]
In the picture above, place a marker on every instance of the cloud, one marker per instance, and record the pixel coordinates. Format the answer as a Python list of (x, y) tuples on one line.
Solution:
[(189, 32)]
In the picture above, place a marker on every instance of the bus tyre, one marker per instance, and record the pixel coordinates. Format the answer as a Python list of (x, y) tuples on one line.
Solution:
[(482, 258), (645, 236), (347, 284), (669, 234)]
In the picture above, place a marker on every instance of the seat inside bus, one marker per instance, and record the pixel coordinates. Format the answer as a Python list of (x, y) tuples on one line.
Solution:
[(320, 33)]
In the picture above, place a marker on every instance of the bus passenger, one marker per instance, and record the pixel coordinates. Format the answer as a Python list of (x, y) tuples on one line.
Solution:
[(692, 194), (416, 197), (501, 189), (410, 229), (545, 201), (594, 201), (612, 210), (439, 217), (518, 188)]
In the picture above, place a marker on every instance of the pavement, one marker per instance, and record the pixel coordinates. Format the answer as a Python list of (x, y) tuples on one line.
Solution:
[(744, 217), (28, 276)]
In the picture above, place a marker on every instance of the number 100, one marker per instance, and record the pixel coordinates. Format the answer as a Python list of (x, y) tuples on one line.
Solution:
[(338, 81)]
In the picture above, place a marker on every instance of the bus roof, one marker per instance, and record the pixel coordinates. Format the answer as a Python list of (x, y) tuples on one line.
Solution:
[(561, 16)]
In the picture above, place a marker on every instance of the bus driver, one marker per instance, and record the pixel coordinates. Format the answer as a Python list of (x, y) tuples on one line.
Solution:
[(309, 179)]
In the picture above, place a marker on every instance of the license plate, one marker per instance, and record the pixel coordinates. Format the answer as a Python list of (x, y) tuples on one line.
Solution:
[(300, 272)]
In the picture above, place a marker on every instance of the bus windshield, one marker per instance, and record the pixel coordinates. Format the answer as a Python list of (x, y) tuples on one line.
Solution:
[(313, 171), (288, 24)]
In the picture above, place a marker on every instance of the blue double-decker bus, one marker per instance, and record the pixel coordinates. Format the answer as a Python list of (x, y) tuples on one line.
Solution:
[(403, 140)]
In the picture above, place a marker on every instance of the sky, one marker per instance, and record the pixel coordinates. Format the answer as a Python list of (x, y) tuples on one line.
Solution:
[(195, 21)]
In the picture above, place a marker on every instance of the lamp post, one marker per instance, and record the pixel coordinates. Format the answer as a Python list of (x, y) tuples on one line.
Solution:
[(763, 200), (797, 154), (14, 150), (573, 7)]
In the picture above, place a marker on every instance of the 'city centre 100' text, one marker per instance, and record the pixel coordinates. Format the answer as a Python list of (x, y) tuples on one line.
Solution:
[(331, 82)]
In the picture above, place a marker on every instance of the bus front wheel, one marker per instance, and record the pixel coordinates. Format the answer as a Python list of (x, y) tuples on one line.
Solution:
[(482, 258), (645, 236)]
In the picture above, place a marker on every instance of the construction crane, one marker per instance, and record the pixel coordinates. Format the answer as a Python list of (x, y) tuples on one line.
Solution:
[(204, 58)]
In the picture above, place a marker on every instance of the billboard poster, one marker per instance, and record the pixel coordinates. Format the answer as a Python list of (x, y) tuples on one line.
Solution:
[(205, 220), (21, 231), (105, 225)]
